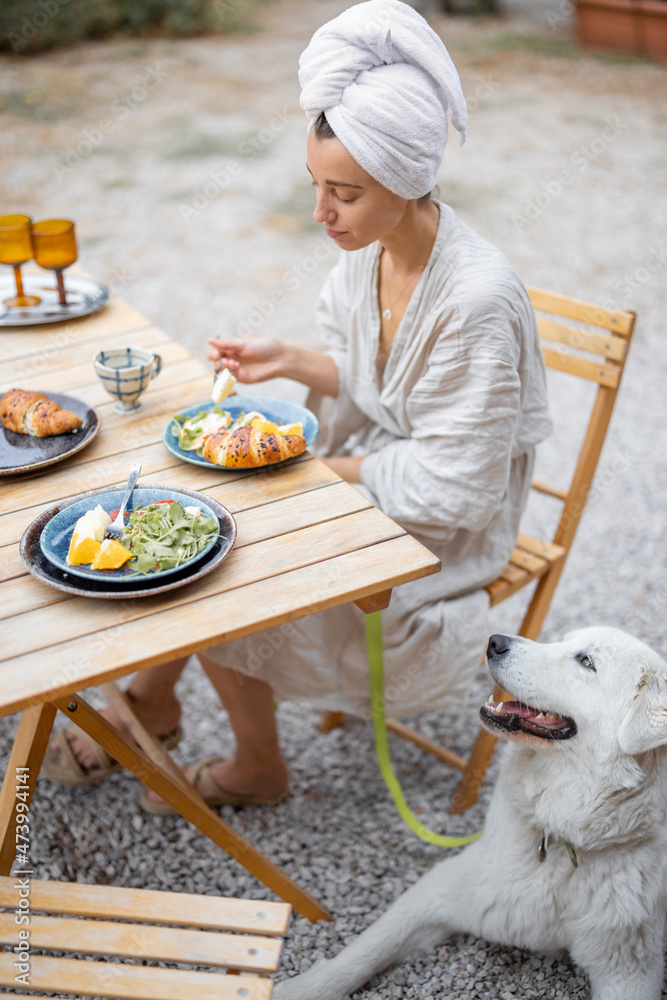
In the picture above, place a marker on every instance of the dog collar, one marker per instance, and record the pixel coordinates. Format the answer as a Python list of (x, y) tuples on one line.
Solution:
[(542, 849)]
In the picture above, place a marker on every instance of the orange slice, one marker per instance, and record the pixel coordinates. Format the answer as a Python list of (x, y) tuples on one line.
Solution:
[(266, 426), (111, 555), (82, 549), (291, 429), (87, 536)]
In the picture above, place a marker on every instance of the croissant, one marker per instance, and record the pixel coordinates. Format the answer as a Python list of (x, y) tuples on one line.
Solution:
[(35, 414), (248, 447)]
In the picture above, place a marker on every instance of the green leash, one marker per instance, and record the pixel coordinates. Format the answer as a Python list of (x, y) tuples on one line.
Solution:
[(376, 669)]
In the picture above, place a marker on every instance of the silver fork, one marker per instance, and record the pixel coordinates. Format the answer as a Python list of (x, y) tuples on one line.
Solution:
[(115, 529)]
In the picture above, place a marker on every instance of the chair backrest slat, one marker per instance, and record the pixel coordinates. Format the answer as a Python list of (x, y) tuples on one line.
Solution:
[(612, 346), (604, 373), (607, 374), (619, 321), (609, 345)]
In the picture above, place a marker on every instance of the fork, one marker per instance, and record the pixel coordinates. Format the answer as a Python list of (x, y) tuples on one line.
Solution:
[(115, 529)]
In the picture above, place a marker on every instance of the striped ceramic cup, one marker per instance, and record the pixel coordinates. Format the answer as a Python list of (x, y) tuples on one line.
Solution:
[(125, 372)]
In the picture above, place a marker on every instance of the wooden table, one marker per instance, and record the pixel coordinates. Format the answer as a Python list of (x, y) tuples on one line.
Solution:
[(306, 541)]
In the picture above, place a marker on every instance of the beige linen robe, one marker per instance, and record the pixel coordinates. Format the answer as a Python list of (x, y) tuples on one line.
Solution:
[(448, 432)]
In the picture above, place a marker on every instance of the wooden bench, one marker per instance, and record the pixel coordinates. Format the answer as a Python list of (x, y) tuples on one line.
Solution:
[(125, 929)]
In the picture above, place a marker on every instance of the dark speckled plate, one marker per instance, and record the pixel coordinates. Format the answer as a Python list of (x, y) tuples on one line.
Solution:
[(40, 567), (23, 453), (57, 534)]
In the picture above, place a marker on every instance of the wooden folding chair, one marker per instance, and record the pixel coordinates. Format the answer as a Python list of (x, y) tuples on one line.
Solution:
[(238, 935), (593, 344)]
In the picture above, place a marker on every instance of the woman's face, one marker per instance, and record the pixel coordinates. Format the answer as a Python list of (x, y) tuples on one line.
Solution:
[(355, 209)]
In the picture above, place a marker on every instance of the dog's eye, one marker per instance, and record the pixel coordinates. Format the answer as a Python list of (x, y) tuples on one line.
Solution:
[(586, 661)]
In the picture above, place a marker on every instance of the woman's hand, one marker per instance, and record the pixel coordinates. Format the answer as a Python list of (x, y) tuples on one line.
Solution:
[(259, 358), (251, 360)]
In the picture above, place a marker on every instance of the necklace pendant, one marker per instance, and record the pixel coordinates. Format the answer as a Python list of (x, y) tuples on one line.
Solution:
[(386, 314)]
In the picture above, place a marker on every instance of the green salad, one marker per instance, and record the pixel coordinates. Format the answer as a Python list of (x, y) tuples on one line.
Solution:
[(191, 430), (164, 535)]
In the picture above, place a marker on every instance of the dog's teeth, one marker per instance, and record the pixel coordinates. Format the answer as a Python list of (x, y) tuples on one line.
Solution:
[(540, 715), (552, 715), (499, 707)]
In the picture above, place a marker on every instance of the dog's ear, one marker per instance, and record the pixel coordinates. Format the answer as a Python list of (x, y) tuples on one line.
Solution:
[(645, 725)]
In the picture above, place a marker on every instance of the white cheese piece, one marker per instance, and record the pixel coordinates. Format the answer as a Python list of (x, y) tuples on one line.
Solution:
[(223, 385), (97, 521)]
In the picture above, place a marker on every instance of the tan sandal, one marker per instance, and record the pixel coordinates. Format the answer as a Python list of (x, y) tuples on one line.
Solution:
[(215, 794), (73, 773)]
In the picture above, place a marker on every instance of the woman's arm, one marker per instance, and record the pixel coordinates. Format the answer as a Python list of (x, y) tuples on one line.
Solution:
[(261, 358), (346, 467)]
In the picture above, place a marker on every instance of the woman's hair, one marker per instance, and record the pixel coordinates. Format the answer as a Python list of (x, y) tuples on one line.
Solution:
[(323, 130)]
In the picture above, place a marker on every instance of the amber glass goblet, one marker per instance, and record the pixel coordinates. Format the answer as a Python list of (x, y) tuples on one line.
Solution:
[(16, 249), (54, 245)]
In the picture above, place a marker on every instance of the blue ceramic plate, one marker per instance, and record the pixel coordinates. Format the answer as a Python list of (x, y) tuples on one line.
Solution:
[(280, 411), (56, 535)]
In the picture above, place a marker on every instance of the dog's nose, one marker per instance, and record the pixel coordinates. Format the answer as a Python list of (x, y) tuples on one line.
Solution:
[(499, 644)]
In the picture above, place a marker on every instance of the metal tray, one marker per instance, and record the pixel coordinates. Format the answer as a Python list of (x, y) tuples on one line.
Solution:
[(84, 295)]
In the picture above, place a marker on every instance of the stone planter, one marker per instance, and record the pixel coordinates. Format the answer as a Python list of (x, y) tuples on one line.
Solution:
[(633, 27)]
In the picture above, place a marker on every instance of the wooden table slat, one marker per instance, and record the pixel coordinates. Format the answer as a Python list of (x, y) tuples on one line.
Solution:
[(43, 365), (159, 467), (145, 642), (245, 565), (117, 319), (69, 379), (159, 403), (235, 490), (10, 563)]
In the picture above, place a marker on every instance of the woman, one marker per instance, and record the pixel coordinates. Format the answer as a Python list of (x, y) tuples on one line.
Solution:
[(430, 392)]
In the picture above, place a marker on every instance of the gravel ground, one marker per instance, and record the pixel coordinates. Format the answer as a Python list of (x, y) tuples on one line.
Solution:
[(193, 202)]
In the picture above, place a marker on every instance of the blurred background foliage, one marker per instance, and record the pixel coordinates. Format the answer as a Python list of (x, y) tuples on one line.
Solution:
[(31, 26)]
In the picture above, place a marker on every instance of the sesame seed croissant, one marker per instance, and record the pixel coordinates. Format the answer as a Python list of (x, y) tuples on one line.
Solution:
[(35, 414), (248, 447)]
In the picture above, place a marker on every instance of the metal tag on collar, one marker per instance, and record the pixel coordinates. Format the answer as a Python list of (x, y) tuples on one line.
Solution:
[(542, 849), (571, 854)]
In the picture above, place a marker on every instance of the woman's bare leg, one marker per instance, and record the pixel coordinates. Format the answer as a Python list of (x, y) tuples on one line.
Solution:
[(258, 767), (153, 699)]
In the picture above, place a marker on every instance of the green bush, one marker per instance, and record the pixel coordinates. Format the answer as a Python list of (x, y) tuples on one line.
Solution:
[(30, 26)]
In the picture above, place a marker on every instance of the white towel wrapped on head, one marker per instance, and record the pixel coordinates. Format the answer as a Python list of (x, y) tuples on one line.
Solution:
[(385, 82)]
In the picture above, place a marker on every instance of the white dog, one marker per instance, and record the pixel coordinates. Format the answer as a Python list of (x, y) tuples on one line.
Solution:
[(574, 853)]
